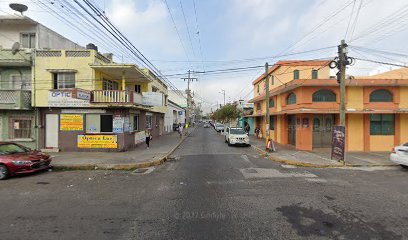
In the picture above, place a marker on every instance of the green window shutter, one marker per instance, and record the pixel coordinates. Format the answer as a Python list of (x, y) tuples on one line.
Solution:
[(381, 95), (296, 74), (315, 74), (382, 124)]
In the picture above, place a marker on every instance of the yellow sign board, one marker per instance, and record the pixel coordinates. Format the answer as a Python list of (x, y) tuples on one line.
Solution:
[(97, 141), (71, 122)]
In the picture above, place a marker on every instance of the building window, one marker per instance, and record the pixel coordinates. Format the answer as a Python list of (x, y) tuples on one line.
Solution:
[(258, 106), (19, 81), (96, 123), (138, 88), (110, 85), (64, 80), (315, 74), (272, 120), (107, 123), (271, 103), (28, 40), (136, 123), (149, 121), (155, 89), (382, 124), (291, 99), (381, 95), (324, 95), (257, 90), (20, 128), (296, 74), (272, 80)]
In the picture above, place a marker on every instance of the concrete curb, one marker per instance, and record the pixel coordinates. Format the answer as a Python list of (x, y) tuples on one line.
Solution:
[(312, 165), (124, 167)]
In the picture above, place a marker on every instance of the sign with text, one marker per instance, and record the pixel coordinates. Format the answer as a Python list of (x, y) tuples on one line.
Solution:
[(153, 98), (338, 143), (65, 99), (97, 141), (118, 124), (71, 122)]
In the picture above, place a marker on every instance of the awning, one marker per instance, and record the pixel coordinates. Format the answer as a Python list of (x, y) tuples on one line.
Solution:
[(131, 71)]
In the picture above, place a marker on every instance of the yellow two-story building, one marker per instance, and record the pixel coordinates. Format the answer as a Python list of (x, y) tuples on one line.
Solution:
[(87, 102), (304, 107)]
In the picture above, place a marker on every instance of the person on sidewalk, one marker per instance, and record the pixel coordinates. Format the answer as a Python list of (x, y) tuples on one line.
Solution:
[(247, 128), (186, 133), (148, 135), (180, 129)]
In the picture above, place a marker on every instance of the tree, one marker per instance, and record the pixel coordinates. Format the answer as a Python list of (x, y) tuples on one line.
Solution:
[(226, 113)]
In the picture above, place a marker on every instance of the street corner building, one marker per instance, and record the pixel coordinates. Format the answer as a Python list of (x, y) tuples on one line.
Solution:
[(304, 106), (59, 96)]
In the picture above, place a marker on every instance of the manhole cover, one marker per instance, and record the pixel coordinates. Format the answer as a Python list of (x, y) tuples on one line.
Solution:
[(43, 183), (140, 170)]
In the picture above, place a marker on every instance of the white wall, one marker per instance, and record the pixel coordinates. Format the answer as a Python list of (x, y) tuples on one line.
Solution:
[(11, 33), (169, 117)]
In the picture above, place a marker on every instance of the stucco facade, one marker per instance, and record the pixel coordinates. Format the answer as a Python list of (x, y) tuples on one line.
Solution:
[(304, 108)]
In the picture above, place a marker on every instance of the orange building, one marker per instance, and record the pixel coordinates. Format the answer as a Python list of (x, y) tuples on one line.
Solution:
[(304, 107)]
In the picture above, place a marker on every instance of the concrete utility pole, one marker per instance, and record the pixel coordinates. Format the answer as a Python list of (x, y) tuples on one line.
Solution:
[(189, 97), (223, 92), (342, 50), (267, 117)]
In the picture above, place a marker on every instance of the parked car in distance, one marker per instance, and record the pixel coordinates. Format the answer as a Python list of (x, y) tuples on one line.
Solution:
[(16, 159), (206, 125), (236, 136), (399, 155), (219, 127)]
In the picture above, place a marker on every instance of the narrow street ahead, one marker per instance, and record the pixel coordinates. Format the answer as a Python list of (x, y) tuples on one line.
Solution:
[(208, 190)]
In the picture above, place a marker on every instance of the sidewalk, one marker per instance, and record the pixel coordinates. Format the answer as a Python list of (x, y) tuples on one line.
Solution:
[(320, 157), (140, 157)]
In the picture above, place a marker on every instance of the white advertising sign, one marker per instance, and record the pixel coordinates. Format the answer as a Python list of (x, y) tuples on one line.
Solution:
[(153, 98), (65, 99)]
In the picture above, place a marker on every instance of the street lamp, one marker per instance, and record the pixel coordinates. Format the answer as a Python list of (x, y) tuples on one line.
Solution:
[(223, 92)]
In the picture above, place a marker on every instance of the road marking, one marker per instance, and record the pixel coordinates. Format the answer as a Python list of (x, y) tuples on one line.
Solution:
[(288, 166), (319, 180), (273, 173), (138, 172), (246, 159)]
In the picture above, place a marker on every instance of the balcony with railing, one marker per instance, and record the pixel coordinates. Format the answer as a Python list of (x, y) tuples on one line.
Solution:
[(118, 97), (15, 99)]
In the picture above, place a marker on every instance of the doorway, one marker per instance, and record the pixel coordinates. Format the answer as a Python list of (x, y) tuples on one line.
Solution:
[(322, 130), (292, 129), (51, 131)]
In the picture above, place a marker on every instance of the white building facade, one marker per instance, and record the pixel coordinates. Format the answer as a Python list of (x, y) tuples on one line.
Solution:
[(175, 114)]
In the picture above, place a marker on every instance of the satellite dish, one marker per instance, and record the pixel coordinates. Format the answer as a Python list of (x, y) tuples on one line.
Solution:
[(18, 7), (15, 48)]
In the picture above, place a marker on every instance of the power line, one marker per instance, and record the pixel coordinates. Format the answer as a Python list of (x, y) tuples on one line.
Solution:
[(187, 28), (351, 17)]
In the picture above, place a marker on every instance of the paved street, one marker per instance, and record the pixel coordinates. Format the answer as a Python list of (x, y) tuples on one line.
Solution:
[(208, 190)]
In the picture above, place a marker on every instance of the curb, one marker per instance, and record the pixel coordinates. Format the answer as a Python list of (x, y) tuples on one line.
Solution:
[(312, 165), (124, 167)]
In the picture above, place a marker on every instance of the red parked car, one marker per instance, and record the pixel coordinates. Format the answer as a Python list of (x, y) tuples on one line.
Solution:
[(16, 159)]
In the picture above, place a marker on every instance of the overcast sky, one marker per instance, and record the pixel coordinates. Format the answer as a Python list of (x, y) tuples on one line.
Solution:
[(231, 31)]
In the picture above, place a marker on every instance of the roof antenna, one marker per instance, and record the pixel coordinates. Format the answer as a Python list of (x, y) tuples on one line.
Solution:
[(18, 7)]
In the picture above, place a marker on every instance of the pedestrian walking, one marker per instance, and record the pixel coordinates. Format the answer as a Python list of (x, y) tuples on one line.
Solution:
[(247, 128), (186, 133), (148, 135), (180, 129)]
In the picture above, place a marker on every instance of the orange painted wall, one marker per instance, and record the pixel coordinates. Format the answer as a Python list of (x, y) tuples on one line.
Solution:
[(304, 133)]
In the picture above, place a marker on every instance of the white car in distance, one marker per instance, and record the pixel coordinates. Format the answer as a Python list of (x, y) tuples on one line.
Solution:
[(219, 127), (399, 155), (236, 136)]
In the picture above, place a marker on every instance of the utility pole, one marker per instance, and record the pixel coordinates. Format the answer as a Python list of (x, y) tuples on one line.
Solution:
[(339, 132), (342, 50), (189, 97), (267, 116), (223, 92)]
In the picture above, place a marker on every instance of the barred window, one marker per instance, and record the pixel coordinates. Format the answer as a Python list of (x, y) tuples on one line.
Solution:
[(20, 128), (296, 74), (271, 103), (315, 74)]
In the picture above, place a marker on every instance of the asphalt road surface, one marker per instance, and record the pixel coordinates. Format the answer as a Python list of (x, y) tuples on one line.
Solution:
[(208, 191)]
